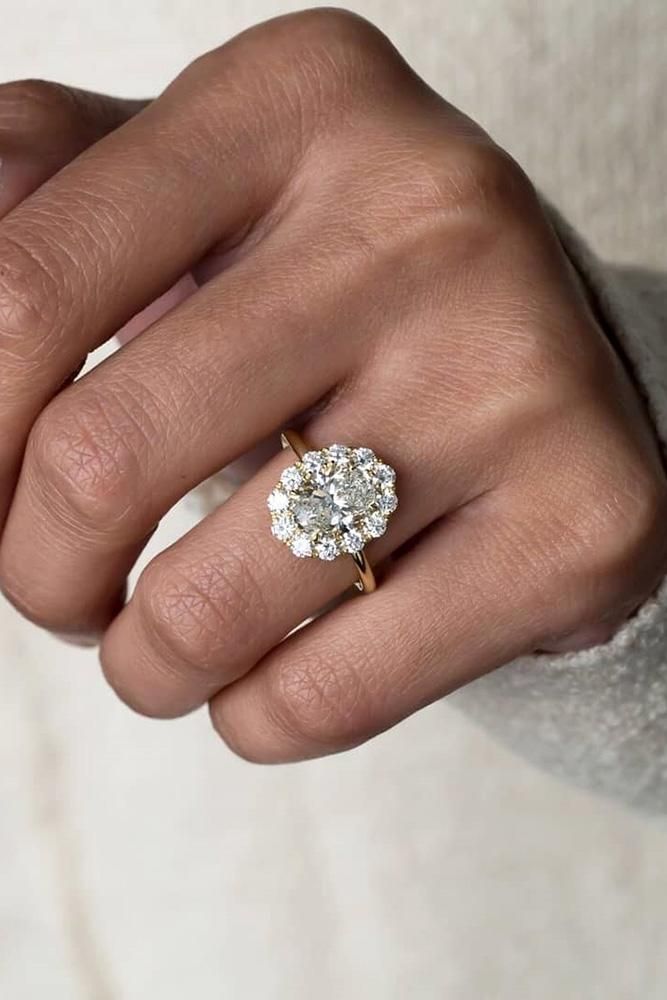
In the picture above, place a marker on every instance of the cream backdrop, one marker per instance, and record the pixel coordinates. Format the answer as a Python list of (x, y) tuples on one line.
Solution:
[(140, 860)]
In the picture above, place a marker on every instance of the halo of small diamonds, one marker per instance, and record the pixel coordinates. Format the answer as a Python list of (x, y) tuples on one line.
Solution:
[(332, 502)]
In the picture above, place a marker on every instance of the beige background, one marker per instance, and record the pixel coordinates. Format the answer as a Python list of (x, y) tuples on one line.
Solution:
[(140, 860)]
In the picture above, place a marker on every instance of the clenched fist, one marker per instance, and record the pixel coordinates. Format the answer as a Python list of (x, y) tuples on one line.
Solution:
[(367, 264)]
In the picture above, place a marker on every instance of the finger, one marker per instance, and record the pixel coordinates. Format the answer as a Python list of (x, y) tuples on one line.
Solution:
[(493, 580), (43, 126), (207, 610), (466, 599), (116, 450), (113, 453), (120, 224)]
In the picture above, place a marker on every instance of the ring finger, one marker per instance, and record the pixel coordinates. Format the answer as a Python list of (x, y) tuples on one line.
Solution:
[(209, 608), (368, 664)]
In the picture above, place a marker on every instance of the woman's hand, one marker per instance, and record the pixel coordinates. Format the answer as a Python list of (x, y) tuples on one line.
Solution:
[(378, 264)]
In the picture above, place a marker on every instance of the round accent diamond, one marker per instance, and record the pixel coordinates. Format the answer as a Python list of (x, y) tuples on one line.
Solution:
[(384, 473), (363, 456), (301, 546), (376, 525), (291, 478), (315, 465), (353, 541), (333, 501), (327, 549), (278, 500), (388, 503), (314, 460), (283, 526)]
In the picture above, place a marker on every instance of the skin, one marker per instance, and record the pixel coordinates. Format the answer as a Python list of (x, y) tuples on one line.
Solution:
[(365, 256)]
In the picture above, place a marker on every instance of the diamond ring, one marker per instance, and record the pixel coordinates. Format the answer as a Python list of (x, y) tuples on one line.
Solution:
[(332, 502)]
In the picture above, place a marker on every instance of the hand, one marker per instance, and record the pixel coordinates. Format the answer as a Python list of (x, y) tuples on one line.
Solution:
[(379, 264)]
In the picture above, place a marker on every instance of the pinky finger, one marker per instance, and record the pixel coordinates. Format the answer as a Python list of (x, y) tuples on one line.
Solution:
[(454, 607)]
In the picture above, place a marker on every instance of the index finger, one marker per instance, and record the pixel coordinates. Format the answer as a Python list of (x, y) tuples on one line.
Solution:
[(119, 225)]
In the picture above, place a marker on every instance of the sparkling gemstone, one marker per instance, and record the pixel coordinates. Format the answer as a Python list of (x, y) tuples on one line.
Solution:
[(350, 493), (342, 496), (314, 512), (376, 525), (283, 526), (333, 501), (314, 460), (278, 500), (301, 545), (388, 503), (327, 549), (363, 456), (291, 478), (353, 541), (384, 473), (317, 465)]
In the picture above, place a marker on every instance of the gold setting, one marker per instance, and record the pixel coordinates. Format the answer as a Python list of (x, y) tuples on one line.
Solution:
[(332, 502)]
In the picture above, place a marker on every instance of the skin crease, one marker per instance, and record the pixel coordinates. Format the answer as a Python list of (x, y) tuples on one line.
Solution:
[(320, 237)]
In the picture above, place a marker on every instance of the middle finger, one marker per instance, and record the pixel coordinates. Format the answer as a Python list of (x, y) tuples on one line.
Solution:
[(115, 451), (120, 224)]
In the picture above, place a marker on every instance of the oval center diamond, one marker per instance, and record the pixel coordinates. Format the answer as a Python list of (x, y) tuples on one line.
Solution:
[(333, 501), (314, 512), (337, 501)]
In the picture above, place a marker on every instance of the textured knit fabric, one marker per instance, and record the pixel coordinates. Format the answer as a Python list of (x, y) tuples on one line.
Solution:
[(599, 717)]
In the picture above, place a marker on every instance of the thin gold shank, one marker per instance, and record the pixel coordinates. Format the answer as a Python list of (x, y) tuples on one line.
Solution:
[(366, 582)]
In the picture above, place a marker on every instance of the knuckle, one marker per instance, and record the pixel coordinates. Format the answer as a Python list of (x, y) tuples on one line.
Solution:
[(627, 526), (338, 27), (85, 464), (471, 189), (29, 301), (320, 701), (341, 33), (202, 616), (532, 368), (542, 372), (478, 188), (327, 47), (474, 187), (608, 544), (346, 61), (488, 179)]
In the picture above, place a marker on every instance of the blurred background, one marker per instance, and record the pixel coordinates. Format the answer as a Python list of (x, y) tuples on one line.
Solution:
[(140, 860)]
